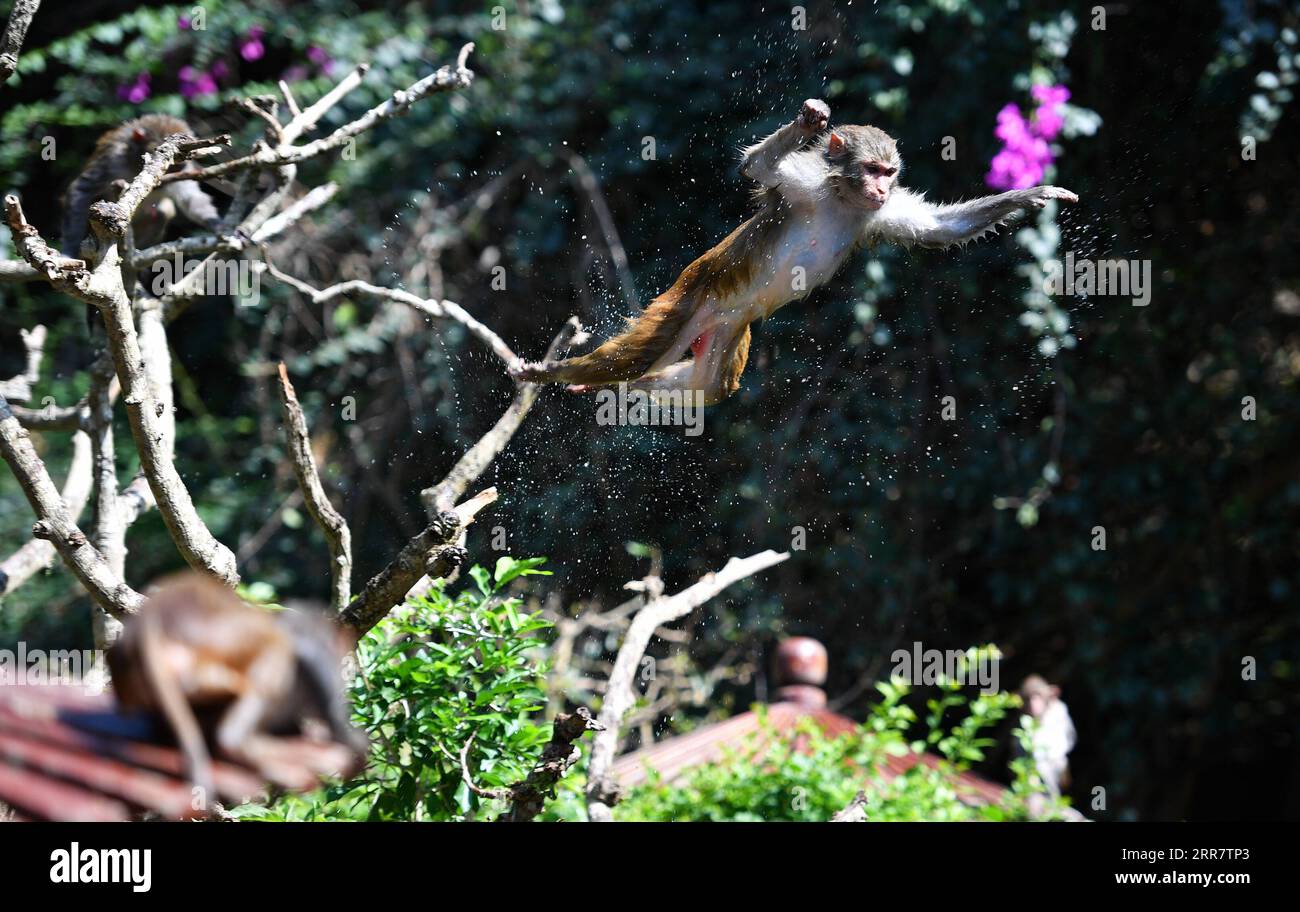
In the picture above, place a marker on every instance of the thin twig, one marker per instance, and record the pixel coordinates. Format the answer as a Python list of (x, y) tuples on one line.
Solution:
[(332, 524)]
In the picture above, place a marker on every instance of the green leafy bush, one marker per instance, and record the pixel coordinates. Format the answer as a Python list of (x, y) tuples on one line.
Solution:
[(441, 671), (802, 774)]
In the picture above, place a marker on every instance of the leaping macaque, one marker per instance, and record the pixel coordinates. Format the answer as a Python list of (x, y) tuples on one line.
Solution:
[(117, 156), (212, 665), (818, 201)]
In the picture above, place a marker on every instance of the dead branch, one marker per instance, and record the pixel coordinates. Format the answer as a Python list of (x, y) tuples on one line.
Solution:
[(36, 554), (389, 587), (103, 287), (20, 17), (438, 310), (621, 695), (332, 524), (528, 796), (55, 525), (444, 79), (20, 386)]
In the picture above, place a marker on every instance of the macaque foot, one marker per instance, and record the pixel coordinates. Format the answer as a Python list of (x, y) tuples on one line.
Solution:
[(530, 371), (579, 388), (1038, 196), (814, 116)]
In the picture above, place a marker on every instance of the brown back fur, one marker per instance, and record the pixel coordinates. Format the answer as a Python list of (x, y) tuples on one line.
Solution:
[(724, 270)]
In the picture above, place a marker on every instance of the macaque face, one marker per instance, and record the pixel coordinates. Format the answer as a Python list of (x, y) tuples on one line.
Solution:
[(864, 165), (877, 180), (1037, 705)]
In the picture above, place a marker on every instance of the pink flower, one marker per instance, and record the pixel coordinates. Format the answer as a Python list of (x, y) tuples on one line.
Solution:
[(251, 48), (1048, 119), (1050, 95), (1012, 129), (135, 92), (219, 69), (295, 73), (196, 82), (183, 22), (321, 58), (1025, 155)]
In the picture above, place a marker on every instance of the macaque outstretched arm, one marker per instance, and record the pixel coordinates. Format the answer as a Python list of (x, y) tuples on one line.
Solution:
[(819, 199), (908, 219)]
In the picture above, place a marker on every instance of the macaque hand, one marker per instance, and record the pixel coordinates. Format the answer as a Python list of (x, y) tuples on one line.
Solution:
[(813, 117), (1037, 197)]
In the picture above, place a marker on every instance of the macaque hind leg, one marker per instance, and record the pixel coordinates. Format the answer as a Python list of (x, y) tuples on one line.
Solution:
[(268, 681), (719, 359)]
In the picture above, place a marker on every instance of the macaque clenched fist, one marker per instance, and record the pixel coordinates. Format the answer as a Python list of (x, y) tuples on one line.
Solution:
[(819, 200)]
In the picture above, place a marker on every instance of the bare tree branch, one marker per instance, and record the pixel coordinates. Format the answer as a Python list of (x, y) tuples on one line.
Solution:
[(620, 695), (332, 524), (438, 310), (36, 554), (389, 587), (18, 271), (103, 287), (20, 17), (444, 79), (20, 386), (528, 796), (55, 525)]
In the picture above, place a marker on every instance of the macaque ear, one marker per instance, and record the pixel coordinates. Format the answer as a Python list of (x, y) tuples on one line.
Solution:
[(835, 146), (138, 135)]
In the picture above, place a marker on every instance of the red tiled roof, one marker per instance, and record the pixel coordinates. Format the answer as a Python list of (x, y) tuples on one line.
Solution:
[(673, 756), (68, 755)]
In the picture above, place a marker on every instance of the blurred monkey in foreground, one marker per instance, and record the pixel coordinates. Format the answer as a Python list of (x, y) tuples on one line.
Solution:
[(213, 666), (818, 201)]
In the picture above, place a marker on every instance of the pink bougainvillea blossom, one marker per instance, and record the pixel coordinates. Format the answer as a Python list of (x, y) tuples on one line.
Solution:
[(183, 23), (196, 82), (135, 92), (1025, 154), (251, 47), (321, 58)]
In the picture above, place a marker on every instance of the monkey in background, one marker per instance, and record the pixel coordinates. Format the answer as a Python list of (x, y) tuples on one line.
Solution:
[(212, 665), (117, 156), (1053, 735), (818, 201)]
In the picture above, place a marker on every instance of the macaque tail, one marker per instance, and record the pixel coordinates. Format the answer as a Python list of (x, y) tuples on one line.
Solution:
[(175, 708), (624, 357)]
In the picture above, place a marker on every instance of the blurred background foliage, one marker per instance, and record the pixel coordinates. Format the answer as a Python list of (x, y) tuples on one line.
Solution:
[(947, 532)]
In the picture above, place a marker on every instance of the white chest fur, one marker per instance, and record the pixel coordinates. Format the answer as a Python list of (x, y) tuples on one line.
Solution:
[(812, 245)]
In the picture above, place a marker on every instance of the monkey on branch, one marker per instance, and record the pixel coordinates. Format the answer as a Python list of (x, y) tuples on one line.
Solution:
[(819, 200)]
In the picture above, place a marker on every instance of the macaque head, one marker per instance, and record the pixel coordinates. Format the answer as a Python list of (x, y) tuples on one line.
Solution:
[(864, 164), (1038, 695)]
